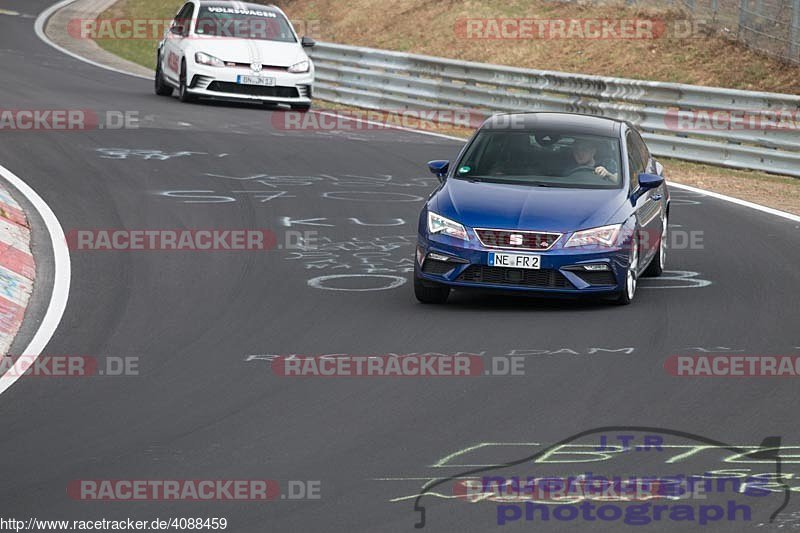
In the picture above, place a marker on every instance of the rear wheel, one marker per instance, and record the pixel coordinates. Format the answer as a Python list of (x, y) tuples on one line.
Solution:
[(162, 89), (629, 289), (183, 90), (430, 294)]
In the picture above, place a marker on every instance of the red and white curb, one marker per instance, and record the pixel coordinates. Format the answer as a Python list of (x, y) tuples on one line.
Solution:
[(18, 272), (17, 268)]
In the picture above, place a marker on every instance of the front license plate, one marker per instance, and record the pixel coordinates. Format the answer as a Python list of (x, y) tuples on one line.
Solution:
[(532, 262), (256, 80)]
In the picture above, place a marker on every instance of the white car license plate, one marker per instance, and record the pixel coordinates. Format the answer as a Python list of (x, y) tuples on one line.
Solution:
[(532, 262), (256, 80)]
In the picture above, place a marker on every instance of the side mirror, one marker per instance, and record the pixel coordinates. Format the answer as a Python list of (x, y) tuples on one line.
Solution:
[(650, 181), (307, 42), (439, 167), (176, 30)]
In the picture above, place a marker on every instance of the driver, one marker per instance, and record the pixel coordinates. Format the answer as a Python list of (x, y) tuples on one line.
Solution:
[(583, 155)]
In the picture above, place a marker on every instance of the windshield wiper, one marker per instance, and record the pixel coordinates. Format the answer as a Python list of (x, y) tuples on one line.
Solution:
[(497, 179)]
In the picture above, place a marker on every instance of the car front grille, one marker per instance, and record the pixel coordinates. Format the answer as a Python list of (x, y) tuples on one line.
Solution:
[(249, 65), (521, 240), (546, 278), (253, 90)]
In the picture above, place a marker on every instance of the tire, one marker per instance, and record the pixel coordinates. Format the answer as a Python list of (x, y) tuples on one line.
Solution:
[(628, 291), (161, 87), (183, 92), (656, 266), (430, 295), (302, 108)]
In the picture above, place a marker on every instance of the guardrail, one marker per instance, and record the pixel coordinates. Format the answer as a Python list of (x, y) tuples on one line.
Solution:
[(379, 79)]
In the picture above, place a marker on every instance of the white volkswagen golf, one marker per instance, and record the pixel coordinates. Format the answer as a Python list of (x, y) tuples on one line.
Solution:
[(234, 51)]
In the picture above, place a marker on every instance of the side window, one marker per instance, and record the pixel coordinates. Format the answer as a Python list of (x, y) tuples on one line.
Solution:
[(642, 148), (636, 165), (184, 18)]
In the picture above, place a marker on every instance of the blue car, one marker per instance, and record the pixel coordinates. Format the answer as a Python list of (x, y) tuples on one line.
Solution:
[(547, 203)]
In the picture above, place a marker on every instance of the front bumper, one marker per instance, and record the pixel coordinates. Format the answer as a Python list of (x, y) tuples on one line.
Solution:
[(222, 83), (562, 269)]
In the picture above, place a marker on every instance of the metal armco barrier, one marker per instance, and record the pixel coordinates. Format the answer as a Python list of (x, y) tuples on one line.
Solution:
[(670, 115)]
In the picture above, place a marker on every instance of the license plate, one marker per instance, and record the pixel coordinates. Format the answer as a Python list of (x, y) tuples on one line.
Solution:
[(532, 262), (256, 80)]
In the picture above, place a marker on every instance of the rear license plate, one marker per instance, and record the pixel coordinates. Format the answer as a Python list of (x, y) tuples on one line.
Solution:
[(256, 80), (532, 262)]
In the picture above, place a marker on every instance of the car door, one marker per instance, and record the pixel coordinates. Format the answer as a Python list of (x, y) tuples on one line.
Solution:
[(649, 207), (174, 43)]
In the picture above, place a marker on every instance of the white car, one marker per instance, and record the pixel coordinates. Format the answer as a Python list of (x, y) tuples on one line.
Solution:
[(234, 51)]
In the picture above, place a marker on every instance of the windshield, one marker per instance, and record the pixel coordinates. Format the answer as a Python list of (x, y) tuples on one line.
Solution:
[(547, 159), (225, 21)]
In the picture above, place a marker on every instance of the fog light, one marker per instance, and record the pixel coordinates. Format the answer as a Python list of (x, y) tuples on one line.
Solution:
[(438, 257), (595, 268)]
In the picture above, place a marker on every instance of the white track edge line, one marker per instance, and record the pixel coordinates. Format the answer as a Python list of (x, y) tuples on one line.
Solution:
[(737, 201), (39, 25), (61, 282)]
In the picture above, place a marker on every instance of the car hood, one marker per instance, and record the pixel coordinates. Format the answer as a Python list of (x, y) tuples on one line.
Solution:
[(494, 205), (268, 53)]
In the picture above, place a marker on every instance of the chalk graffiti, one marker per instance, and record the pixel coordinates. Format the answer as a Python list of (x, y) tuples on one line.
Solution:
[(675, 279), (376, 263), (147, 155)]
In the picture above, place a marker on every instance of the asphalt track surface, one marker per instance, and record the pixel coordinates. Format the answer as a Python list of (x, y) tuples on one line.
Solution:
[(204, 408)]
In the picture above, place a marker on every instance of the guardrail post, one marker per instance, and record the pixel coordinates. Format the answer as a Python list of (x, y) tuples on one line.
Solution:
[(794, 33), (742, 18)]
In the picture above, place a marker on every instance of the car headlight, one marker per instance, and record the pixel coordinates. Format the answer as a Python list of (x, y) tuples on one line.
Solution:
[(440, 224), (207, 59), (300, 67), (602, 236)]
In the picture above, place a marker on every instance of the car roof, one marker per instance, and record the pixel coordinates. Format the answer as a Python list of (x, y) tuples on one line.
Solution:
[(562, 122)]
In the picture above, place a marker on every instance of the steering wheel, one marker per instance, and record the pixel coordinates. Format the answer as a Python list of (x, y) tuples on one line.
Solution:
[(582, 168)]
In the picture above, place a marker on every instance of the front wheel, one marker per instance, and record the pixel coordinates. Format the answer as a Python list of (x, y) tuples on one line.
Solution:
[(430, 294), (629, 288), (302, 108), (161, 87), (183, 91), (656, 266)]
